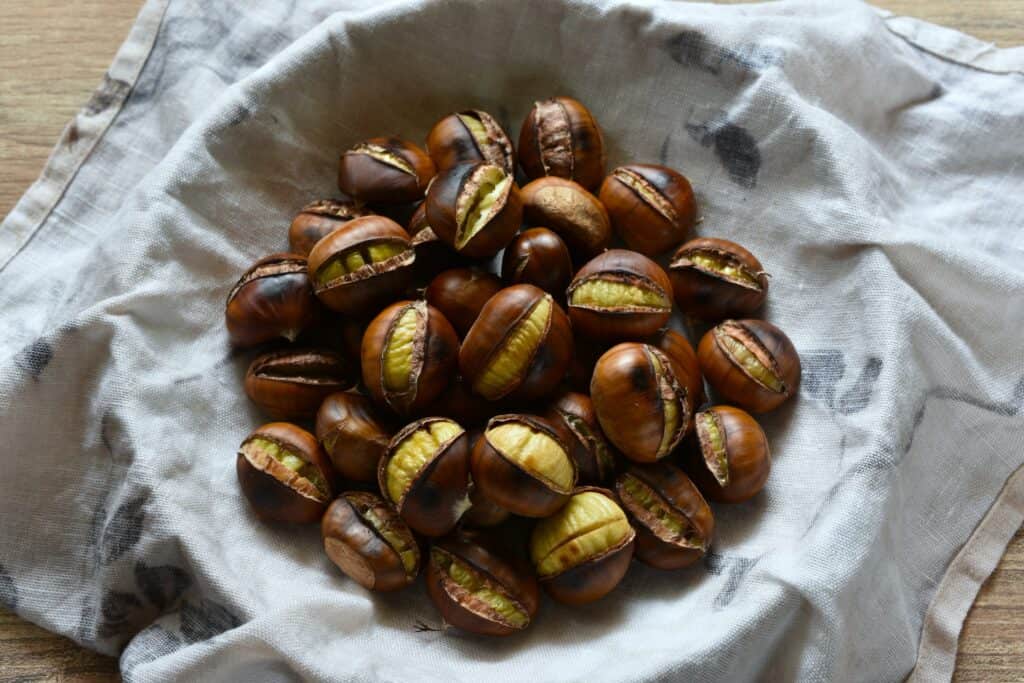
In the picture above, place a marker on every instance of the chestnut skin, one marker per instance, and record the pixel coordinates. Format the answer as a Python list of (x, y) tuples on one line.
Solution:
[(433, 356), (538, 257), (455, 188), (432, 254), (460, 294), (651, 207), (353, 435), (733, 381), (459, 403), (500, 316), (482, 512), (642, 405), (276, 492), (573, 413), (318, 220), (626, 321), (560, 137), (452, 141), (438, 494), (358, 547), (657, 545), (290, 384), (679, 349), (385, 170), (566, 208), (734, 289), (508, 484), (272, 300), (516, 581), (747, 456), (366, 290)]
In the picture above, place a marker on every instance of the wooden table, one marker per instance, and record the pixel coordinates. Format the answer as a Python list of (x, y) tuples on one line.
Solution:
[(54, 52)]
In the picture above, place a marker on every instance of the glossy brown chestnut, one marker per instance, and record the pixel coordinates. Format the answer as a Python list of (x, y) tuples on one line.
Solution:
[(582, 551), (643, 408), (425, 475), (673, 522), (409, 353), (284, 473), (522, 464), (353, 435), (538, 257), (460, 404), (715, 279), (475, 208), (569, 210), (469, 136), (561, 138), (290, 384), (273, 299), (432, 255), (482, 512), (751, 363), (460, 294), (678, 348), (318, 220), (385, 171), (519, 347), (620, 295), (652, 208), (573, 413), (734, 457), (367, 540), (362, 266), (479, 591)]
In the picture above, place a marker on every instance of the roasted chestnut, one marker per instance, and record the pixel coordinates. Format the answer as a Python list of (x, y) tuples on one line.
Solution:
[(574, 413), (284, 473), (673, 522), (678, 348), (385, 171), (478, 591), (432, 255), (568, 209), (409, 352), (482, 512), (583, 550), (290, 384), (469, 136), (362, 265), (367, 540), (354, 437), (520, 345), (460, 404), (651, 207), (273, 299), (538, 257), (620, 295), (320, 219), (715, 279), (751, 363), (460, 293), (475, 208), (425, 474), (734, 457), (561, 138), (643, 408), (522, 464)]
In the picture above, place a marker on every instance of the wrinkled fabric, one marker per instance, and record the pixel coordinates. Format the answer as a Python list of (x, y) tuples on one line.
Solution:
[(878, 182)]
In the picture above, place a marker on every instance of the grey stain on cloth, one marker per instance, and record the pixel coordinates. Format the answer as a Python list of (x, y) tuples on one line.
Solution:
[(735, 148)]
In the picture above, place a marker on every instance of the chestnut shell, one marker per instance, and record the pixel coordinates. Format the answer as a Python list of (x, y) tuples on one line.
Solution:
[(272, 300), (649, 226), (367, 179), (450, 142), (566, 208), (747, 453), (581, 156), (318, 220), (353, 436), (460, 294), (711, 296), (290, 384), (573, 413), (538, 257)]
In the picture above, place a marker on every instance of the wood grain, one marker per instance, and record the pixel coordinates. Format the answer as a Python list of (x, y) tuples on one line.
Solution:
[(54, 52)]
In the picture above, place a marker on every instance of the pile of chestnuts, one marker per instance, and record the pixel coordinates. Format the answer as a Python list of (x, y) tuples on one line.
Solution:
[(505, 424)]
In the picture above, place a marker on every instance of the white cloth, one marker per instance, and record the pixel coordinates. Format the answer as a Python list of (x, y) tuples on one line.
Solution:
[(878, 179)]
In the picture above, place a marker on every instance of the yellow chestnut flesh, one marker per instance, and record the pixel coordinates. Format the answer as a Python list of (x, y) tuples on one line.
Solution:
[(600, 293), (357, 258), (476, 128), (748, 359), (534, 451), (589, 525), (384, 155), (413, 454), (714, 441), (507, 364), (671, 401), (674, 522), (397, 541), (475, 209), (307, 478), (398, 351), (724, 267), (479, 593)]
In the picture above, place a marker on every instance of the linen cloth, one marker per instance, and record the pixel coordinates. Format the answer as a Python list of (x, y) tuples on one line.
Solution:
[(872, 162)]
